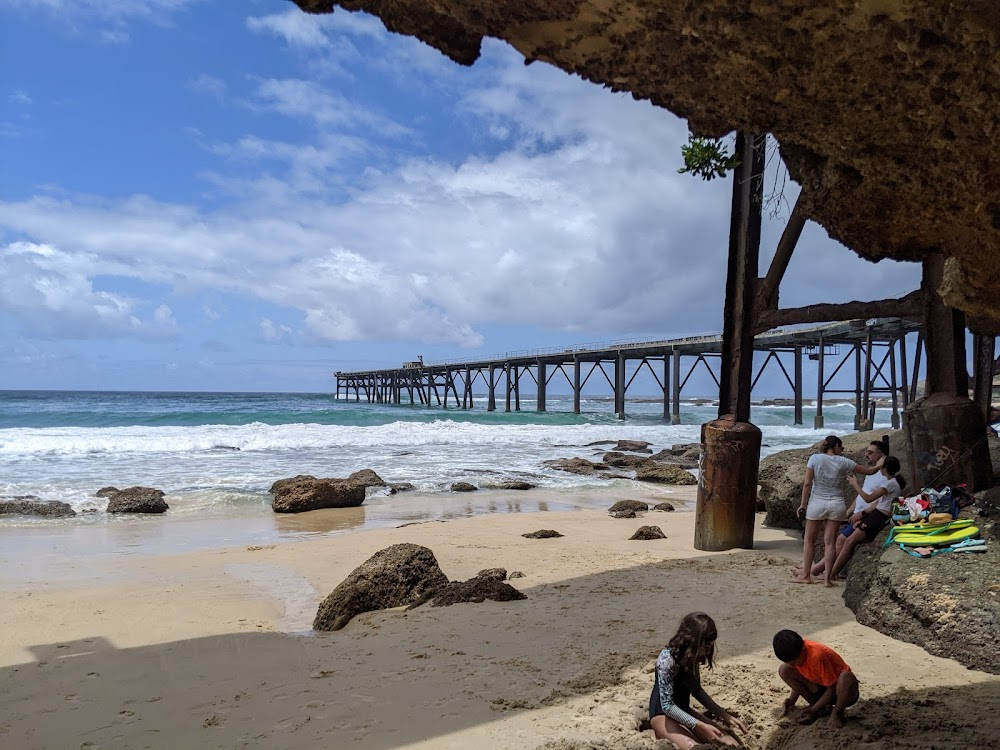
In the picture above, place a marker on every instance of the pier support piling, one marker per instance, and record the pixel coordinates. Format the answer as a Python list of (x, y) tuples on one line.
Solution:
[(576, 385), (730, 451), (540, 399)]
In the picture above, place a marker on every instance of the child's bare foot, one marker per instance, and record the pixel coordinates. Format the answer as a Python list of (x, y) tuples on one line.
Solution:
[(807, 718), (830, 584), (836, 719), (800, 579)]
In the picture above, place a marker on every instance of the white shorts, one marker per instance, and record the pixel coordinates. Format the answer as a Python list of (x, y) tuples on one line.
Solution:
[(826, 510)]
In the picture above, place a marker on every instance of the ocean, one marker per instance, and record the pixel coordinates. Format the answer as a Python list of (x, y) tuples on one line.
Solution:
[(216, 454)]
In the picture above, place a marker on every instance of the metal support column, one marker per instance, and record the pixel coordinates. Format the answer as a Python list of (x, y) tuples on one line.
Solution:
[(798, 385), (893, 385), (576, 384), (491, 400), (675, 415), (820, 387), (540, 399), (666, 387), (983, 352), (620, 385)]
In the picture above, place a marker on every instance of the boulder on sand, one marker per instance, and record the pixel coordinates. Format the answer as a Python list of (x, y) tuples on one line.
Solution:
[(32, 506), (542, 534), (633, 505), (463, 487), (499, 574), (477, 590), (304, 492), (664, 474), (393, 577), (137, 500), (664, 506), (648, 533)]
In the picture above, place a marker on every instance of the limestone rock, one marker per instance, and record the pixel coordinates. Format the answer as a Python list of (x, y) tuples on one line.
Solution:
[(664, 474), (624, 514), (367, 478), (137, 500), (106, 492), (648, 533), (279, 484), (31, 506), (542, 534), (633, 505), (668, 507), (499, 574), (516, 574), (392, 577), (942, 603), (395, 487), (513, 484), (576, 465), (633, 446), (476, 590), (621, 461), (305, 493), (463, 487)]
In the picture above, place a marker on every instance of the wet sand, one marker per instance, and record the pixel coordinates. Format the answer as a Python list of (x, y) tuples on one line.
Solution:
[(211, 648)]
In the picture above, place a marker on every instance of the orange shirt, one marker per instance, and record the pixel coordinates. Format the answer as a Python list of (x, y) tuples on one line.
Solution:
[(822, 665)]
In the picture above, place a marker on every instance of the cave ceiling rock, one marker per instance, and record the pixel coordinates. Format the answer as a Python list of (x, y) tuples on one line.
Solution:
[(887, 111)]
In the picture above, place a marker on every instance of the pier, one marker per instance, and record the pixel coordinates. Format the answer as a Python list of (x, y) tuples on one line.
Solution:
[(871, 354)]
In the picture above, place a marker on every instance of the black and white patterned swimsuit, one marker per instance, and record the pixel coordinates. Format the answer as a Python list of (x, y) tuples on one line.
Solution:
[(672, 690)]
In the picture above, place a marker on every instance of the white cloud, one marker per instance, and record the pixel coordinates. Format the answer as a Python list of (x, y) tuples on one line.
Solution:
[(298, 29), (108, 10), (576, 220), (206, 84), (19, 97)]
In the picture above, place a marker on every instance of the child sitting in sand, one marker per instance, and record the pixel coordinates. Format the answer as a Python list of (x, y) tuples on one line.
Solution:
[(678, 679), (816, 673)]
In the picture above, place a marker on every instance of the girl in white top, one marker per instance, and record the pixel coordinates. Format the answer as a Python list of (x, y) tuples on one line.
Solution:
[(823, 503)]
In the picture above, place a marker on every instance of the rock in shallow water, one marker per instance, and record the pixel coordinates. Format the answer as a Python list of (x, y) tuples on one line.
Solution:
[(393, 577), (304, 493), (463, 487), (138, 500), (35, 507)]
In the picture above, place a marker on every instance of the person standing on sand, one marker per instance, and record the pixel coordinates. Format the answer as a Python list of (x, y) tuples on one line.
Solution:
[(818, 674), (678, 679), (823, 504)]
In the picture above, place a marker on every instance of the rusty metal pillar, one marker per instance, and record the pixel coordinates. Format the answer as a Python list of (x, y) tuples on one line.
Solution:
[(491, 400), (866, 404), (984, 349), (945, 431), (820, 387), (540, 399), (727, 485), (675, 415), (857, 386), (576, 384), (903, 387), (893, 385), (517, 388), (620, 385), (798, 385)]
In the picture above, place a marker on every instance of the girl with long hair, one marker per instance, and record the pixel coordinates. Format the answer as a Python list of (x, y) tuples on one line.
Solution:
[(678, 679)]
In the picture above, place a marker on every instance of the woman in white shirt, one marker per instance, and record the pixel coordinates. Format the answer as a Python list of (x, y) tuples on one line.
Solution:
[(823, 504)]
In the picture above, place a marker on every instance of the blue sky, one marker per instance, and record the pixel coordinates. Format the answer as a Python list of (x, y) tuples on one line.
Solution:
[(199, 195)]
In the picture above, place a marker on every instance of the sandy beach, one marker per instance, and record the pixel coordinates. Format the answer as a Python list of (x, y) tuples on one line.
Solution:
[(213, 648)]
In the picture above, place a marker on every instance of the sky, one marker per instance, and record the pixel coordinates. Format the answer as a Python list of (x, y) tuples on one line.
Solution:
[(230, 196)]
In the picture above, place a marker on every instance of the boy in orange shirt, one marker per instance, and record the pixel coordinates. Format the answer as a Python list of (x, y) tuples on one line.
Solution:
[(818, 674)]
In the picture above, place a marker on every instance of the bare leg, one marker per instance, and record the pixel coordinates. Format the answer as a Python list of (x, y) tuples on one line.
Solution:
[(668, 729), (808, 551), (848, 693), (831, 530), (801, 687), (847, 550)]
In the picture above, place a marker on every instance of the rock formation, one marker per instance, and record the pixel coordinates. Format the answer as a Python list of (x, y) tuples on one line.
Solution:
[(542, 534), (32, 506), (304, 492), (886, 113), (477, 590), (392, 577), (647, 533), (668, 507), (137, 500), (633, 505), (499, 574), (463, 487), (664, 474)]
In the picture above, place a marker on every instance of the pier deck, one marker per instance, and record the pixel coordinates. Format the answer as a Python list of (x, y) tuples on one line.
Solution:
[(876, 346)]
